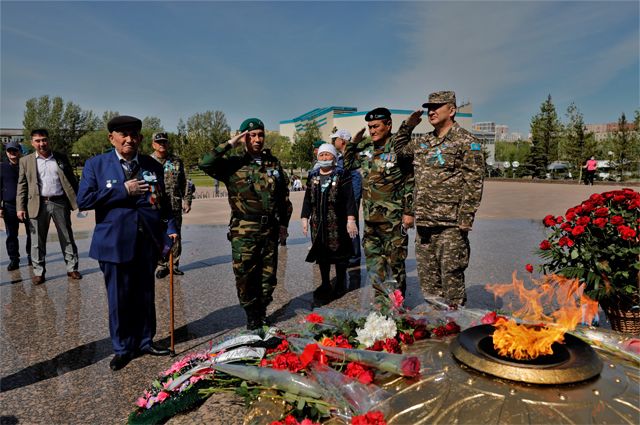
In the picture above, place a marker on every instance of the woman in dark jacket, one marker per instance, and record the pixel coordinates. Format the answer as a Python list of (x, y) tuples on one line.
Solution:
[(330, 210)]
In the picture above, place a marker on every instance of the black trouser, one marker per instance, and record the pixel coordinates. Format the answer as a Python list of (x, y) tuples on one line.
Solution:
[(12, 224)]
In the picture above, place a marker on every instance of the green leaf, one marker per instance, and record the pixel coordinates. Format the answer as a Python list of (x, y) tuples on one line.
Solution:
[(301, 404), (574, 253)]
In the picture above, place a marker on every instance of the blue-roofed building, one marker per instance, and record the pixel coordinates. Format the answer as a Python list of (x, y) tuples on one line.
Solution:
[(349, 118)]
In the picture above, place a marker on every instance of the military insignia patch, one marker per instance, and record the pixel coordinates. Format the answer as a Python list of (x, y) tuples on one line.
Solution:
[(476, 147)]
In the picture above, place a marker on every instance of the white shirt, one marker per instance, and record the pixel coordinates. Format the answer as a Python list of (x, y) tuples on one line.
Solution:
[(50, 184), (126, 164)]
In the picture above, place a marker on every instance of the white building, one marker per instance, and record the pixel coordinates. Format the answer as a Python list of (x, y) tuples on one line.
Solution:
[(349, 118)]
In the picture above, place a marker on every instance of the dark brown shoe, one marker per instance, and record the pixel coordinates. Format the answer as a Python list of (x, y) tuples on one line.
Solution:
[(37, 280), (75, 275)]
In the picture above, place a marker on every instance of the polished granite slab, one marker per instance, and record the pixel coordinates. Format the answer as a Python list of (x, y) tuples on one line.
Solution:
[(54, 338)]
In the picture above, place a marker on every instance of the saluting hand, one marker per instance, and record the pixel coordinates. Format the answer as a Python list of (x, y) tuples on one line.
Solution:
[(358, 137), (234, 141), (136, 187), (415, 118)]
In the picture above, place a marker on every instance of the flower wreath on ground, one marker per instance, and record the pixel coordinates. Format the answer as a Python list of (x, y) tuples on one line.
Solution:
[(326, 366)]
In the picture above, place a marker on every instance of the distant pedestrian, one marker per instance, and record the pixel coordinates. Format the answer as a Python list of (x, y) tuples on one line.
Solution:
[(591, 167), (297, 184), (258, 194), (133, 227), (329, 211), (180, 194), (47, 190), (8, 185), (449, 172)]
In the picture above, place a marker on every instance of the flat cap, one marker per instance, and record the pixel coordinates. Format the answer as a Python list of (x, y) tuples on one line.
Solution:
[(122, 122), (318, 143), (159, 136), (251, 124), (378, 114), (440, 98), (13, 145)]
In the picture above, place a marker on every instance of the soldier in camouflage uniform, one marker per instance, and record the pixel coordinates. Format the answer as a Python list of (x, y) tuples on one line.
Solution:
[(449, 176), (260, 211), (387, 195), (180, 194)]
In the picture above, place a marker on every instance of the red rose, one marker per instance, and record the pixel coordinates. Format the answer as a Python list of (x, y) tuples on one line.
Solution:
[(619, 198), (314, 318), (577, 231), (410, 366), (566, 227), (616, 220), (377, 346), (452, 328), (583, 221), (602, 212), (529, 268), (559, 219), (549, 221), (420, 332), (545, 245), (565, 241), (587, 207), (406, 338), (570, 215), (626, 232), (600, 222), (596, 198)]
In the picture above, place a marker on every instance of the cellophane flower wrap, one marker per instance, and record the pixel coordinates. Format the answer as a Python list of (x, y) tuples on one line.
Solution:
[(597, 242)]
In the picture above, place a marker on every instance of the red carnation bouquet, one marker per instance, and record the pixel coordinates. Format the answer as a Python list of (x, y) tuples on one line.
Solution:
[(597, 242)]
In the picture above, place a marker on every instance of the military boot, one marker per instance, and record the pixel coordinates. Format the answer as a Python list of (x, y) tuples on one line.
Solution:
[(254, 319)]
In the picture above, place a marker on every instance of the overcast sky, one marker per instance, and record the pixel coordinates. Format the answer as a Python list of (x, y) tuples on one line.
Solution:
[(278, 60)]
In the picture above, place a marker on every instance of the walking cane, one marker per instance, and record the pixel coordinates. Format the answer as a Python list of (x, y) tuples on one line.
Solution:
[(172, 349)]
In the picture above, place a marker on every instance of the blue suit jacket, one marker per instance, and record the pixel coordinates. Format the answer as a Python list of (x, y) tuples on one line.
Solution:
[(118, 214)]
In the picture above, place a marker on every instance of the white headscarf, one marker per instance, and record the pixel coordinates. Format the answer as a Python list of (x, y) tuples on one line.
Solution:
[(327, 147)]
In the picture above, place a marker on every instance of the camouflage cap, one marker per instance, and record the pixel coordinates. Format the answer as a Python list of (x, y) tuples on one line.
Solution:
[(251, 124), (159, 137), (440, 98), (378, 114)]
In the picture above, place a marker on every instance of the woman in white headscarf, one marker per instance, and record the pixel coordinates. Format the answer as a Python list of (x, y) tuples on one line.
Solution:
[(329, 209)]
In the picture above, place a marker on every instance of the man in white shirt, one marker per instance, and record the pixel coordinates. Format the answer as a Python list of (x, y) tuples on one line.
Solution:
[(47, 190)]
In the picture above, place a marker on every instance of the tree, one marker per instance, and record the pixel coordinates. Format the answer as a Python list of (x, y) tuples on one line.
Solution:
[(66, 123), (92, 144), (545, 135), (513, 151), (302, 149), (152, 123), (203, 132), (106, 117), (578, 144), (625, 148), (280, 147)]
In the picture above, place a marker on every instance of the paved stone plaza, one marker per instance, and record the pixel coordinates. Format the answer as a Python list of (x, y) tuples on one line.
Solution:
[(55, 346)]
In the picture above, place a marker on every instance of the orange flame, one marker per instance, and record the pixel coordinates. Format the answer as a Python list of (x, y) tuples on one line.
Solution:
[(539, 329)]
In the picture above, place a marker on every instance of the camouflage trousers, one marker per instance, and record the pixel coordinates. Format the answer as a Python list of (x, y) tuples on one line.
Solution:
[(254, 249), (176, 249), (442, 256), (385, 246)]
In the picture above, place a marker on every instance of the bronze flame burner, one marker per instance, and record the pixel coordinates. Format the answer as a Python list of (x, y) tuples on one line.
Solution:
[(573, 361)]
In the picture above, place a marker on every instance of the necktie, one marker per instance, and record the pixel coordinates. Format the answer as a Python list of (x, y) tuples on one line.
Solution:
[(131, 168)]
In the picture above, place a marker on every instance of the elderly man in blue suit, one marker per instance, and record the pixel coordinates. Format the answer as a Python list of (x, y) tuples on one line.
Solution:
[(133, 227)]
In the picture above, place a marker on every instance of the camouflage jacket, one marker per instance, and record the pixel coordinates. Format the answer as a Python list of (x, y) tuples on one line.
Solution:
[(387, 176), (175, 181), (254, 188), (449, 177)]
